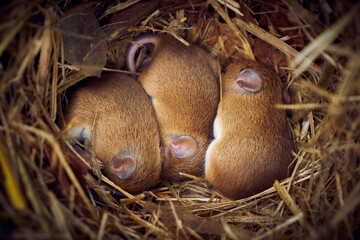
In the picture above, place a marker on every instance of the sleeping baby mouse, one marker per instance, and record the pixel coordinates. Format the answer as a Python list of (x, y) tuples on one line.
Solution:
[(252, 143), (182, 82), (116, 119)]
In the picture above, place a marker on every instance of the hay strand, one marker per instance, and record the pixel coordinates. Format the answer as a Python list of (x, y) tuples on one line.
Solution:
[(317, 46), (314, 48), (58, 152), (11, 186)]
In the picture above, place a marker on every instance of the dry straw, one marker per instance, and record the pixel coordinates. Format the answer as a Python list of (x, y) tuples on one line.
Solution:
[(41, 195)]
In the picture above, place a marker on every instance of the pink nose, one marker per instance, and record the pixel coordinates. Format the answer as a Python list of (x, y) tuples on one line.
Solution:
[(123, 167)]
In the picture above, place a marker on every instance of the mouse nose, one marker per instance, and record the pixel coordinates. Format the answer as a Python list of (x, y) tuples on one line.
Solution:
[(123, 167)]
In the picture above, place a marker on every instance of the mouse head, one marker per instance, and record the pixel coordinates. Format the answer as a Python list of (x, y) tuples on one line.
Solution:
[(252, 80), (122, 160), (121, 163)]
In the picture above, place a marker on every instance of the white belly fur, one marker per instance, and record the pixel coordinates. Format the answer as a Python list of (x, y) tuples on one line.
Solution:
[(217, 136)]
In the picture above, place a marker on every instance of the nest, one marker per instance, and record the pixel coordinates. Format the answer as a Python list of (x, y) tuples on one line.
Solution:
[(313, 46)]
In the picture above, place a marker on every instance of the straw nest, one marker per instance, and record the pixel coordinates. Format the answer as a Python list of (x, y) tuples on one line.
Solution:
[(314, 46)]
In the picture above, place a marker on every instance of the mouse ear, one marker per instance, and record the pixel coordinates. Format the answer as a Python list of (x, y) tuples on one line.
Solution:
[(183, 146), (133, 48), (123, 167), (249, 80)]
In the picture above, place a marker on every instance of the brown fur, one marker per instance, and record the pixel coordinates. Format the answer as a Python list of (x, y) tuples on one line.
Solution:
[(254, 146), (125, 124), (183, 82)]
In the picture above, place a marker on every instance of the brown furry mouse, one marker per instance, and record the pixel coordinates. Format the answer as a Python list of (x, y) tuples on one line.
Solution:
[(252, 145), (116, 117), (182, 83)]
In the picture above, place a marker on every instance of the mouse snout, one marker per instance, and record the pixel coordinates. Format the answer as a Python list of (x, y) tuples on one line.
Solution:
[(123, 167), (249, 81)]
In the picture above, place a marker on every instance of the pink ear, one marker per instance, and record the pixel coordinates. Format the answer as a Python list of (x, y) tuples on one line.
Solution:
[(123, 167), (87, 156), (183, 146), (249, 80)]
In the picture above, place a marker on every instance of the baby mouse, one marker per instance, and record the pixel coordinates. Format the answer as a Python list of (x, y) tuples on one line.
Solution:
[(252, 143), (116, 118), (182, 83)]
